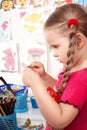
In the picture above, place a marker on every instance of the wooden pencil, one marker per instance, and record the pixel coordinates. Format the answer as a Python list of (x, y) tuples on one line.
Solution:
[(1, 109)]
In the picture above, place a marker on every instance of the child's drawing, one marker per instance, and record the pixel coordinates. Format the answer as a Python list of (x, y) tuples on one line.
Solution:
[(9, 60), (4, 29)]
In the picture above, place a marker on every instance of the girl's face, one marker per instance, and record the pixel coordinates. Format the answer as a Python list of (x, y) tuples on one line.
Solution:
[(60, 44)]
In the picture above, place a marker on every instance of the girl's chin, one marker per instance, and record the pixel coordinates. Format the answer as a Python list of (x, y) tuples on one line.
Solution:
[(63, 67)]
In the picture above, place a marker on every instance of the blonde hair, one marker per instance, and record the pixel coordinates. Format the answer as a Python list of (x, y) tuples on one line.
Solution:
[(59, 20)]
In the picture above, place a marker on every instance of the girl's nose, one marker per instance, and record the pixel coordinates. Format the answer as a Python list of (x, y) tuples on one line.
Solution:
[(55, 53)]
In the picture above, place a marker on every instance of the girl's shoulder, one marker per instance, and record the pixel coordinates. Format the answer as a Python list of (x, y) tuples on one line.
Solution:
[(82, 73), (80, 70), (79, 77), (75, 92)]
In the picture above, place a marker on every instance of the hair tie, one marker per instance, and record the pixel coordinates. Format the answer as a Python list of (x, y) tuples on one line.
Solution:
[(53, 94), (73, 21)]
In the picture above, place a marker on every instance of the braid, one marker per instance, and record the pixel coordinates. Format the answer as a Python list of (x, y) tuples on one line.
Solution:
[(70, 58)]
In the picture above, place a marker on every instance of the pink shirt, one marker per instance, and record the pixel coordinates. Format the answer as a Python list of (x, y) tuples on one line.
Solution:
[(75, 94)]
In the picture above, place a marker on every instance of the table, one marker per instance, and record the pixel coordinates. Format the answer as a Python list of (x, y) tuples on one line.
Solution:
[(32, 113)]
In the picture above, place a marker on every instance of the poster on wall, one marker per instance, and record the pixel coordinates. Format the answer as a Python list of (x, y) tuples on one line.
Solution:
[(32, 22), (8, 57), (27, 23), (29, 35), (4, 29), (29, 53)]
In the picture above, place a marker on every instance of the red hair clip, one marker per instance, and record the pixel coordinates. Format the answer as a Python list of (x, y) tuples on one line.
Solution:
[(73, 21)]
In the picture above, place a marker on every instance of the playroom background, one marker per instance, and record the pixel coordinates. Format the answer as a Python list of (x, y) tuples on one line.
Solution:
[(21, 36)]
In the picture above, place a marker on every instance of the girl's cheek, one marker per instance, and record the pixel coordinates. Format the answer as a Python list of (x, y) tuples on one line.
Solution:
[(64, 59)]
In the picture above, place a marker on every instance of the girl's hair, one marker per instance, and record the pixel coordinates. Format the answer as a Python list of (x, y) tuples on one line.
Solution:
[(58, 20)]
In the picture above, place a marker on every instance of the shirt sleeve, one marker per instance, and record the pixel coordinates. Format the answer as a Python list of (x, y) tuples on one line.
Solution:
[(75, 92)]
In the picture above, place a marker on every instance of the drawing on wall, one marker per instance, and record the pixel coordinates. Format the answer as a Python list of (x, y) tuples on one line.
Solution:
[(8, 58), (35, 53), (31, 53), (22, 4), (32, 18), (33, 21), (22, 13), (37, 3), (7, 5), (4, 29), (61, 2)]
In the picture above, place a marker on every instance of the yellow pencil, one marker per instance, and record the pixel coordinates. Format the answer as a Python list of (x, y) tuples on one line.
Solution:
[(2, 111)]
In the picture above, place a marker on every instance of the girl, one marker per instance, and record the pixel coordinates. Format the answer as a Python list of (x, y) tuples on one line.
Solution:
[(66, 32)]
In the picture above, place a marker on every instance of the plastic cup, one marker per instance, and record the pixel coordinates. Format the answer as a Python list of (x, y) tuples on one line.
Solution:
[(33, 102), (21, 103)]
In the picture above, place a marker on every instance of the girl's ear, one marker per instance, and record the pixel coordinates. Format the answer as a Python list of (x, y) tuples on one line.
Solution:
[(80, 40)]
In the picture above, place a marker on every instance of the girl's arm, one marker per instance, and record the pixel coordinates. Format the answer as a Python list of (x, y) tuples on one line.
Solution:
[(57, 115), (48, 80)]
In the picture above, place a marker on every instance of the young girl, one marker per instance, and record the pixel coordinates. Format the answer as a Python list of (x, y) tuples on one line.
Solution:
[(66, 32)]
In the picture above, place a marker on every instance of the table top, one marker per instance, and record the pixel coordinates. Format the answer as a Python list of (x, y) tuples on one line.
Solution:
[(33, 114)]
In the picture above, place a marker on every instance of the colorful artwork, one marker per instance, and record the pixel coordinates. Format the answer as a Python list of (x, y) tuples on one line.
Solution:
[(25, 26), (8, 58), (33, 21), (35, 53), (7, 5), (61, 2), (4, 29), (22, 13), (32, 18), (30, 53), (38, 3), (21, 4)]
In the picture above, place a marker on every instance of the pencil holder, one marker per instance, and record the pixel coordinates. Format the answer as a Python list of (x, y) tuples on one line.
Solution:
[(8, 122), (21, 103), (18, 89)]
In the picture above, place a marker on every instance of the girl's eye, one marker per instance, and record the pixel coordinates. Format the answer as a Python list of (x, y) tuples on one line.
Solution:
[(55, 47)]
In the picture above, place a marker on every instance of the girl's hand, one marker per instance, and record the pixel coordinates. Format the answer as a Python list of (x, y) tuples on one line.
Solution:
[(38, 68), (30, 77), (36, 72)]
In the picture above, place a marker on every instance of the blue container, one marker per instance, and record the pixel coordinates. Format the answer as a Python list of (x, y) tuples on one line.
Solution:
[(8, 122), (21, 90), (33, 102), (21, 103)]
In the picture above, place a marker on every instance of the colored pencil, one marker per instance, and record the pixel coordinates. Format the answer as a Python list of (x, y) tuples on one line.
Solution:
[(1, 109), (5, 83)]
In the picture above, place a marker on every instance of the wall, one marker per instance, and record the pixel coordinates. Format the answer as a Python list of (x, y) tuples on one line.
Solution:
[(24, 32)]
